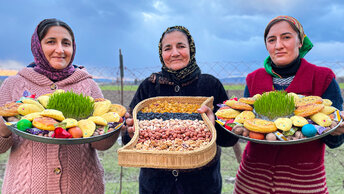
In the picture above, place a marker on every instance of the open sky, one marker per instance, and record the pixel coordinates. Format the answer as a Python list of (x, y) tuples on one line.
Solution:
[(223, 30)]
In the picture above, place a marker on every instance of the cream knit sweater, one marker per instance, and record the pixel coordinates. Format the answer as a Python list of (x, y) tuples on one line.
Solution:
[(35, 167)]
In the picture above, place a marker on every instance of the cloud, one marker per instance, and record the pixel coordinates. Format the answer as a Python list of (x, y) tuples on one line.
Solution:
[(11, 65), (330, 51)]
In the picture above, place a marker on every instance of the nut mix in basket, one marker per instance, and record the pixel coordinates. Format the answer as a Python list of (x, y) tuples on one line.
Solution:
[(173, 126), (63, 115), (278, 115)]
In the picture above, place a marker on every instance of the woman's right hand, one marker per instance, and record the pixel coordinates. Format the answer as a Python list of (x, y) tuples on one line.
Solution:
[(129, 121), (4, 131)]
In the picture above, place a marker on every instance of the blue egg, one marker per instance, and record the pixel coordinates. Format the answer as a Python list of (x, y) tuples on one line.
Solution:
[(309, 130)]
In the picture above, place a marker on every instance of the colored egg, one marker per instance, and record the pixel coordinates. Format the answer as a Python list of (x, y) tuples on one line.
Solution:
[(24, 124), (309, 130)]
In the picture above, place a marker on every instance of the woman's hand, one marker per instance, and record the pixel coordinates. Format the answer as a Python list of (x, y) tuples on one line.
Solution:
[(4, 131), (208, 112), (129, 124), (340, 128)]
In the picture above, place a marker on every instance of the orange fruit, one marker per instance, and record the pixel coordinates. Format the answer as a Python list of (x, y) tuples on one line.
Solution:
[(76, 132), (256, 135)]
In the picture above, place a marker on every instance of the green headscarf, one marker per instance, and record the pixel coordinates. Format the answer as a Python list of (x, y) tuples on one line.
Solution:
[(306, 43)]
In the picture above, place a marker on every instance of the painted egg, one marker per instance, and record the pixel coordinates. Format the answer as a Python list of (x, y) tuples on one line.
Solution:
[(24, 124), (309, 130)]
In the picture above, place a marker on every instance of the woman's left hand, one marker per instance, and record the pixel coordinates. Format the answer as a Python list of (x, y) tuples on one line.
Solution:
[(340, 128), (208, 112)]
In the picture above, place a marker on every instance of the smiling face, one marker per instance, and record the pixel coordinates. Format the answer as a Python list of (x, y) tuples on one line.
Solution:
[(175, 50), (57, 46), (282, 43)]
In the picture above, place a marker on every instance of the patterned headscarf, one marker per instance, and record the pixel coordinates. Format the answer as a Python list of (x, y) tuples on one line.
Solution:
[(306, 43), (192, 68), (42, 64)]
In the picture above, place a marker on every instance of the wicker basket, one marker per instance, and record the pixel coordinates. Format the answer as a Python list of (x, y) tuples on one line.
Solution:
[(127, 156)]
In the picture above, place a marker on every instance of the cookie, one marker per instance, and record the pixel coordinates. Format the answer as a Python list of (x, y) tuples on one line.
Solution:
[(101, 107), (239, 105), (87, 126), (32, 116), (26, 109), (298, 121), (111, 117), (44, 123), (308, 109), (283, 124), (328, 110), (247, 100), (98, 120), (70, 122), (327, 102), (44, 100), (10, 109), (119, 109), (244, 115), (55, 114), (228, 113), (260, 125), (308, 100), (321, 119)]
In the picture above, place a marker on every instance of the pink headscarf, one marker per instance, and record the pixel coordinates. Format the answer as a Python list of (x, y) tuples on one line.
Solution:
[(42, 64)]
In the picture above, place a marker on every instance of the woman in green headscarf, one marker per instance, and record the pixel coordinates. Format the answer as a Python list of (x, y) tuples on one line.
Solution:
[(297, 168)]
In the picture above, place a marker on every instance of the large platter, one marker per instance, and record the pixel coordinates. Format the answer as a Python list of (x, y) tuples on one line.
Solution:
[(279, 142), (50, 140)]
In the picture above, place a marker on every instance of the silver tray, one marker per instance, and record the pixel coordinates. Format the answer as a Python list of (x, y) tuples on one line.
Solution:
[(50, 140), (280, 142)]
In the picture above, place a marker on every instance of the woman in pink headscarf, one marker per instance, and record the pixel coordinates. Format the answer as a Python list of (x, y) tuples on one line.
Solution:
[(35, 167), (297, 168)]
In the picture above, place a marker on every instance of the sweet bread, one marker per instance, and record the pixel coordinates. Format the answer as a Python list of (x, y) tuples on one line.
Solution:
[(298, 121), (44, 123), (328, 110), (32, 116), (321, 119), (308, 109), (98, 120), (87, 126), (101, 107), (308, 100), (70, 122), (26, 109), (52, 113), (240, 106), (111, 117), (327, 102), (244, 115), (119, 109), (10, 109), (227, 113), (260, 125), (247, 100), (283, 124)]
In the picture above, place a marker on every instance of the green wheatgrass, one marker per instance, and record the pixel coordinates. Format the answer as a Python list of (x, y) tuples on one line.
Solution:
[(72, 105), (275, 104)]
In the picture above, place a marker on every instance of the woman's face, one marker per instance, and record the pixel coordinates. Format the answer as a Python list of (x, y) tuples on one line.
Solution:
[(57, 46), (282, 43), (175, 50)]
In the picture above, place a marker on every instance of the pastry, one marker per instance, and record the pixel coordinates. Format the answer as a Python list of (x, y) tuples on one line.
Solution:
[(308, 109), (228, 113), (321, 119), (98, 120), (260, 125), (283, 124), (298, 121), (56, 114), (119, 109), (328, 110), (247, 100), (239, 105), (44, 123), (308, 100), (10, 109), (26, 109), (101, 107), (243, 116)]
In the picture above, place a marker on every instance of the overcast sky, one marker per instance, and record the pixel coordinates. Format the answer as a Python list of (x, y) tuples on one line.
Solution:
[(223, 30)]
